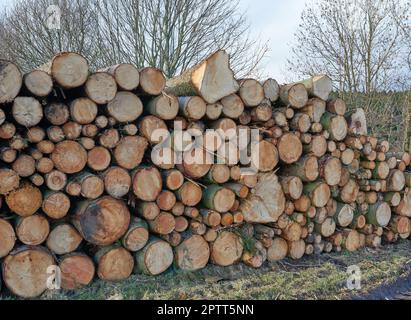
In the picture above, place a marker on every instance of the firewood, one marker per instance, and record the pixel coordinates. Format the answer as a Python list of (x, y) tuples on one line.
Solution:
[(289, 148), (69, 157)]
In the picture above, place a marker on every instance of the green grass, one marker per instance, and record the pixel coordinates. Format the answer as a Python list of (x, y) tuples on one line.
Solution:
[(315, 277)]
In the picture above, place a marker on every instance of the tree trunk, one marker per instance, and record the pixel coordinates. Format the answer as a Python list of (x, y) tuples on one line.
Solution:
[(337, 106), (69, 157), (100, 87), (56, 180), (147, 183), (117, 182), (296, 249), (218, 198), (271, 90), (164, 107), (319, 193), (251, 92), (164, 223), (335, 125), (233, 106), (152, 81), (63, 239), (315, 108), (126, 75), (294, 95), (379, 214), (330, 170)]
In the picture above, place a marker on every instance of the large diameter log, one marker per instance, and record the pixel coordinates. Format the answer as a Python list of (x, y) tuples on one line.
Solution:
[(69, 157), (101, 87), (319, 193), (218, 198), (319, 86), (155, 258), (117, 182), (32, 230), (27, 111), (38, 83), (212, 79), (152, 81), (344, 214), (63, 239), (289, 148), (55, 204), (136, 236), (379, 214), (227, 249), (267, 203), (395, 180), (192, 254), (9, 180), (33, 263), (265, 156), (251, 92), (125, 107), (335, 125), (357, 122), (278, 250), (114, 263), (126, 75), (147, 183), (294, 95), (68, 69), (10, 80), (233, 106), (129, 151), (102, 221), (77, 271), (330, 170), (214, 110), (7, 238), (24, 201), (189, 194)]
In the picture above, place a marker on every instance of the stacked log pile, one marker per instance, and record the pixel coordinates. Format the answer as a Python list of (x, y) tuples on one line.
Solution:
[(100, 174)]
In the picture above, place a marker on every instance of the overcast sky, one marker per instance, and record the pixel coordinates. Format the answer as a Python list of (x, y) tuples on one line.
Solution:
[(274, 21)]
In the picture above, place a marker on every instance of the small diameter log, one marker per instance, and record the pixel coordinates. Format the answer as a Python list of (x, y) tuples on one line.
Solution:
[(181, 224), (7, 130), (335, 125), (278, 250), (193, 108), (57, 113), (101, 87), (173, 179), (319, 193), (381, 170), (227, 249), (349, 193), (330, 170), (189, 194), (262, 113), (24, 165), (56, 180), (300, 122), (357, 122), (153, 129), (77, 271), (117, 182), (109, 138), (306, 169), (9, 180), (136, 236), (11, 80), (347, 156), (314, 108), (27, 111), (126, 75), (114, 263), (319, 86), (294, 95), (271, 90), (125, 107), (147, 259), (233, 106), (195, 163), (129, 151), (218, 198), (395, 180), (163, 224), (148, 210), (351, 240), (326, 228), (296, 249), (210, 217), (33, 263), (214, 110), (92, 186), (69, 157), (98, 158), (336, 106), (24, 201), (212, 79), (152, 81), (289, 148), (292, 232), (164, 107), (344, 214), (239, 189), (317, 146), (38, 83), (83, 110), (63, 239), (192, 254), (292, 187), (55, 204), (101, 221), (8, 155), (379, 214), (7, 238), (251, 92), (147, 183), (166, 200), (68, 69)]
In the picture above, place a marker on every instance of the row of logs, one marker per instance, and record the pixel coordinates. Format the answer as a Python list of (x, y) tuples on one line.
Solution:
[(102, 173)]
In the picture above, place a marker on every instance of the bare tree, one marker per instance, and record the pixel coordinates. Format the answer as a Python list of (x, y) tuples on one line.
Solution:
[(169, 34), (357, 42)]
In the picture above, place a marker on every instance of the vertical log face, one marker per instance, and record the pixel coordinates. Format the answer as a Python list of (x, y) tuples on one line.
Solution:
[(396, 181), (125, 107), (233, 106), (193, 108), (101, 87), (63, 239), (173, 179), (251, 92), (25, 201), (69, 157), (189, 194), (318, 86), (318, 192), (164, 106), (98, 158), (56, 204), (379, 214), (226, 249), (336, 126), (271, 90), (294, 95), (24, 271), (126, 75), (192, 254), (278, 250), (24, 165), (9, 180), (296, 249), (152, 81), (7, 238), (129, 151), (102, 221), (77, 271), (147, 183), (266, 156), (117, 182), (136, 236), (114, 263), (83, 110), (38, 82), (57, 113), (27, 111), (155, 258), (289, 148), (218, 198), (349, 192), (330, 170), (163, 224), (32, 230), (11, 80)]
